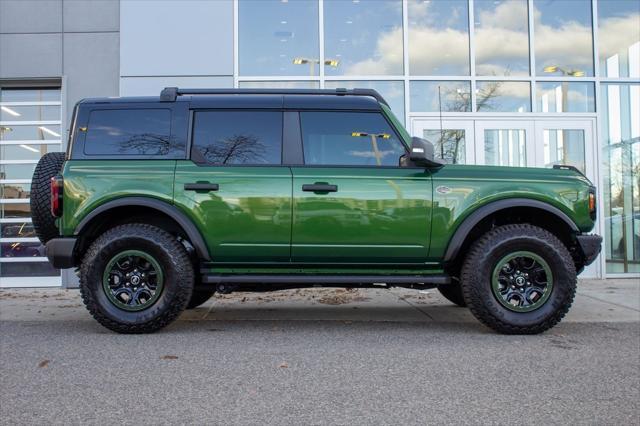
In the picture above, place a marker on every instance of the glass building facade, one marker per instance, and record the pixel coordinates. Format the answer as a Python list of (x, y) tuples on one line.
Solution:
[(499, 82)]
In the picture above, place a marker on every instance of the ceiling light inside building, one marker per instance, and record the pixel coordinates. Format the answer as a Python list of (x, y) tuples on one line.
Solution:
[(29, 148), (10, 111), (49, 131)]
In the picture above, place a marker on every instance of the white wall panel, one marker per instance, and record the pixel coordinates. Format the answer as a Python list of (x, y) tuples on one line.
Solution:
[(170, 37)]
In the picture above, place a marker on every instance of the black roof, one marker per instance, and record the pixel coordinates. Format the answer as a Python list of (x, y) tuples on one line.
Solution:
[(360, 99), (170, 94)]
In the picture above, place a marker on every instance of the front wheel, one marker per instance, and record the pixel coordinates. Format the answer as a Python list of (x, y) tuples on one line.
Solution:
[(136, 278), (519, 279)]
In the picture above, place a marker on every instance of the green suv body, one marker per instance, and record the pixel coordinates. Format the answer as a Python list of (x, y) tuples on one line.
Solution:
[(161, 201)]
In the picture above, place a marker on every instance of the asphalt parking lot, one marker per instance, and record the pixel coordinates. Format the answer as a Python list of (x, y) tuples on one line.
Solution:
[(320, 356)]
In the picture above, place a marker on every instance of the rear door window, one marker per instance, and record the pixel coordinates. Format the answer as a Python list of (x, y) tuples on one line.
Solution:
[(349, 139), (131, 132), (237, 138)]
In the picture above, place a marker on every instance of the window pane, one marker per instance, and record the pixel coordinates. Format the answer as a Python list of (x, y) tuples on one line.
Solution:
[(279, 84), (565, 97), (17, 171), (438, 37), (349, 139), (620, 135), (15, 190), (29, 113), (17, 230), (392, 91), (619, 38), (131, 132), (563, 40), (363, 38), (29, 95), (495, 22), (31, 269), (505, 147), (503, 96), (14, 210), (238, 137), (433, 96), (449, 144), (27, 152), (273, 34), (15, 249), (23, 133), (564, 146)]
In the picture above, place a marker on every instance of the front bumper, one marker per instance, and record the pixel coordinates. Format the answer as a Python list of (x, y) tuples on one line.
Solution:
[(60, 252), (590, 245)]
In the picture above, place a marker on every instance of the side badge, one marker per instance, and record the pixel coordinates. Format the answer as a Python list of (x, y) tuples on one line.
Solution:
[(443, 189)]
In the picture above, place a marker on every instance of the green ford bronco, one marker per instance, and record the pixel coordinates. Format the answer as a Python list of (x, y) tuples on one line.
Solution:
[(162, 201)]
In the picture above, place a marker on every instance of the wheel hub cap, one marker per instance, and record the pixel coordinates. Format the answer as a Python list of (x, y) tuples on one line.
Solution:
[(133, 280), (522, 281)]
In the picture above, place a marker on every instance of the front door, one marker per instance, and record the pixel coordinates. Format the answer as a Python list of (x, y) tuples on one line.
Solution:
[(234, 187), (352, 202)]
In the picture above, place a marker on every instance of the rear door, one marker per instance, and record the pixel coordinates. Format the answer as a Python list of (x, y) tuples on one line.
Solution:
[(352, 201), (235, 188)]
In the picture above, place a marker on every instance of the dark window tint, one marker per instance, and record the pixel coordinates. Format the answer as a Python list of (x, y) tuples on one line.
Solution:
[(130, 132), (349, 139), (237, 137)]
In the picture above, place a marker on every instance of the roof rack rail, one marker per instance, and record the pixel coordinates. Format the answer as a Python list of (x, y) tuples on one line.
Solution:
[(170, 94), (568, 167)]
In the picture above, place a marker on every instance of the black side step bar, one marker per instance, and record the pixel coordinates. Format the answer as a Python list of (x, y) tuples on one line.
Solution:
[(326, 279)]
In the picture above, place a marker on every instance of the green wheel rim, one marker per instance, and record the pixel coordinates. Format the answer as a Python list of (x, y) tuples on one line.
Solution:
[(133, 280), (522, 281)]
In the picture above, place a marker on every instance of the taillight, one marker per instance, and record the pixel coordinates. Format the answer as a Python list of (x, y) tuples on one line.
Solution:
[(56, 196), (592, 205)]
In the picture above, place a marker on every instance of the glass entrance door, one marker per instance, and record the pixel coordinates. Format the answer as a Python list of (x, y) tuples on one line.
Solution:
[(566, 142), (516, 143), (505, 143), (453, 140)]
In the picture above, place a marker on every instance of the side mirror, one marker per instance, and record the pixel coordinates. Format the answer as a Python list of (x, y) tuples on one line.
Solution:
[(422, 153)]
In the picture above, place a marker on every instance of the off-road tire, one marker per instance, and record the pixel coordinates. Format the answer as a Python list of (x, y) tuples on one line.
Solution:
[(199, 297), (453, 293), (176, 266), (483, 257), (43, 221)]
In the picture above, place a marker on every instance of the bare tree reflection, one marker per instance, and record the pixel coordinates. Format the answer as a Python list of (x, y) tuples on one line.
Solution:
[(450, 142), (149, 144), (237, 149)]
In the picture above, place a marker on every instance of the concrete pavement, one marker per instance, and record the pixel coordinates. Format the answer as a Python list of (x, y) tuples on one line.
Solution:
[(320, 356)]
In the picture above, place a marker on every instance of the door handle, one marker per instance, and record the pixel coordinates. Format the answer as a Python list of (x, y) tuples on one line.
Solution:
[(201, 186), (319, 187)]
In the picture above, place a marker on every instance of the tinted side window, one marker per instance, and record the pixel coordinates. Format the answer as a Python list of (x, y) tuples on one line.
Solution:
[(349, 139), (237, 137), (130, 132)]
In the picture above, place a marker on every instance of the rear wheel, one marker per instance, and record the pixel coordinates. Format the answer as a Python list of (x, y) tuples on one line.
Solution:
[(519, 279), (136, 278), (40, 195)]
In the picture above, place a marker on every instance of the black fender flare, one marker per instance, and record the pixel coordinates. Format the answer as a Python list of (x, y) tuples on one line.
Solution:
[(170, 210), (455, 243)]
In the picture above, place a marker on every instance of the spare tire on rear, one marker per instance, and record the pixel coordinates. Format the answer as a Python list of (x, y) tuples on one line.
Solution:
[(43, 221)]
